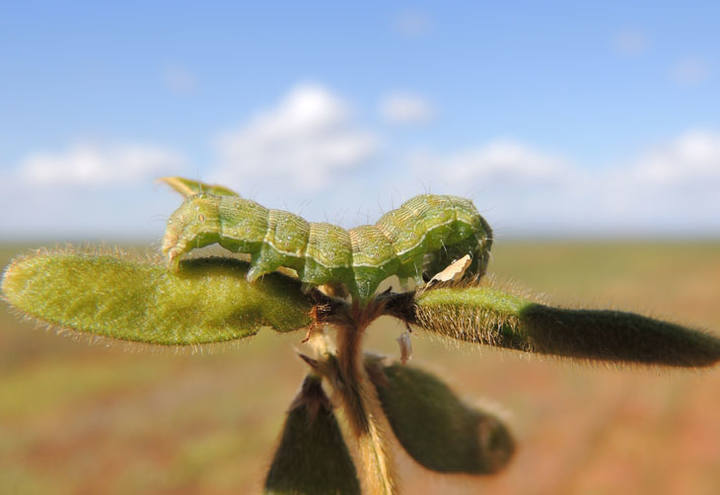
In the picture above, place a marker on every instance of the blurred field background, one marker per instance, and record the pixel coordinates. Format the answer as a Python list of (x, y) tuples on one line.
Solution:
[(562, 120), (87, 419)]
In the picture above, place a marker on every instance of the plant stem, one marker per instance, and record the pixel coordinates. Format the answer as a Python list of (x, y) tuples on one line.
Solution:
[(362, 405)]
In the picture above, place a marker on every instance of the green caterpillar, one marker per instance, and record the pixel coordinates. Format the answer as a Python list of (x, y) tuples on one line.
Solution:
[(418, 239)]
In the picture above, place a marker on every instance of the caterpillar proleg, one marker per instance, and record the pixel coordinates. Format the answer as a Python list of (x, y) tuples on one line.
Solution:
[(421, 237)]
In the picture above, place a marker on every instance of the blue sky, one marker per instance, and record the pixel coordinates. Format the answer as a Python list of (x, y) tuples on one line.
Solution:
[(556, 119)]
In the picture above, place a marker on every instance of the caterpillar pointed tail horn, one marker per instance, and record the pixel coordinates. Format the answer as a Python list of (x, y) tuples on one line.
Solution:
[(422, 237)]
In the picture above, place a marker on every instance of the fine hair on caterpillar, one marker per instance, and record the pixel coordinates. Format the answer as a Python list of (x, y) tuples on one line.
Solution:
[(414, 241)]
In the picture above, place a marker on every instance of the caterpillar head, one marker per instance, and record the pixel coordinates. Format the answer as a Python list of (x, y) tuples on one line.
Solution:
[(195, 224)]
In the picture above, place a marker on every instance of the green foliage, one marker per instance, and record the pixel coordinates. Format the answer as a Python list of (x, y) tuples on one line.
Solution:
[(188, 187), (617, 336), (312, 457), (488, 316), (434, 426), (207, 301)]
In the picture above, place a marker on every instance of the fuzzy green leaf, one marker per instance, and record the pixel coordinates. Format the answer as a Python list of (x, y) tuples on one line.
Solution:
[(312, 457), (488, 316), (188, 187), (435, 427), (207, 300)]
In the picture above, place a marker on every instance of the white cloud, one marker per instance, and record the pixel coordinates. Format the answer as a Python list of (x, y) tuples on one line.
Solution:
[(405, 108), (690, 71), (630, 42), (497, 162), (92, 165), (309, 141), (674, 187), (179, 80), (413, 24), (692, 158), (306, 140)]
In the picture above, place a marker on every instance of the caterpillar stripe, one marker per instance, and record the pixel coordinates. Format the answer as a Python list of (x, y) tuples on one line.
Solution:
[(420, 238)]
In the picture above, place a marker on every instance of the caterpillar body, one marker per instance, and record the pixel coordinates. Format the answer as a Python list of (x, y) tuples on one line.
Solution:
[(421, 237)]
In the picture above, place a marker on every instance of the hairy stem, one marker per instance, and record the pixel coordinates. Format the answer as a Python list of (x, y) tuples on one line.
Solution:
[(362, 406)]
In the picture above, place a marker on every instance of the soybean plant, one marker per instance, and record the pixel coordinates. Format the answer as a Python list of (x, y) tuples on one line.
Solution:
[(322, 279)]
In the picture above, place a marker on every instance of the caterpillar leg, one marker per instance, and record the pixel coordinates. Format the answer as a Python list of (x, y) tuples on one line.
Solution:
[(283, 245)]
